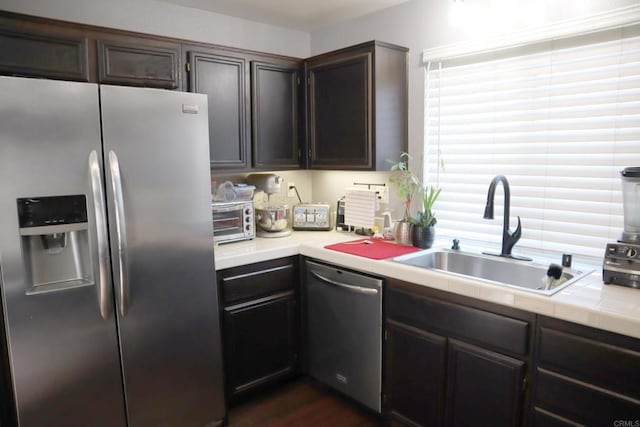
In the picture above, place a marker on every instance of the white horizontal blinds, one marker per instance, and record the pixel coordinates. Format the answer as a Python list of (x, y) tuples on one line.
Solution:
[(559, 121)]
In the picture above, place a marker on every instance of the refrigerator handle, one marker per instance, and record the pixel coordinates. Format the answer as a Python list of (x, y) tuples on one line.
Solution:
[(122, 279), (104, 288)]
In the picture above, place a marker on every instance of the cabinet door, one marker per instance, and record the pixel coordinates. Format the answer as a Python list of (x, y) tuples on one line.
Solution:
[(483, 388), (340, 112), (34, 54), (224, 80), (259, 341), (415, 375), (139, 64), (274, 103)]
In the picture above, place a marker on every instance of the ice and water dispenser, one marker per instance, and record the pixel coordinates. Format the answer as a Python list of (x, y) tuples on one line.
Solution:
[(55, 242)]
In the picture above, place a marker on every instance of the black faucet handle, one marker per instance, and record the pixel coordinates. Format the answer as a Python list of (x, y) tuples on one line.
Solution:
[(518, 231), (509, 239)]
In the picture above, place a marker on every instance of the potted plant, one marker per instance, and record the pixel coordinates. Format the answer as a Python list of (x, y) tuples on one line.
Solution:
[(407, 184), (423, 230)]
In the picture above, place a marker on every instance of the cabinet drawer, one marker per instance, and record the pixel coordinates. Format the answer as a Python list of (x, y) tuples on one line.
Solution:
[(596, 362), (581, 402), (257, 280), (497, 332)]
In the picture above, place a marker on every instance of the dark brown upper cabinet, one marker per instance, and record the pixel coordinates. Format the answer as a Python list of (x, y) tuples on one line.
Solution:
[(357, 107), (349, 111), (36, 54), (139, 64), (275, 115), (225, 80)]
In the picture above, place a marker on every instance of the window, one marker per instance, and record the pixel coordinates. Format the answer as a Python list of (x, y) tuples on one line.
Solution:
[(559, 118)]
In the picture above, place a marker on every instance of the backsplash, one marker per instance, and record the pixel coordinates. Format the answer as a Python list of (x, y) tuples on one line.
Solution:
[(329, 186), (302, 180), (322, 186)]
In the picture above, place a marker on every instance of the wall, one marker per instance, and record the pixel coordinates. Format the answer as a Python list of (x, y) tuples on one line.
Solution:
[(416, 24), (302, 179), (329, 186), (420, 25), (156, 17)]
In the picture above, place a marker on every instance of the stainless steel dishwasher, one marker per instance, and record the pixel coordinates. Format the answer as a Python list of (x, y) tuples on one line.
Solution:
[(344, 331)]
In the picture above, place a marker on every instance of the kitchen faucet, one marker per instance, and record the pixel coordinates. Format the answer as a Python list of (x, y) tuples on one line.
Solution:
[(508, 239)]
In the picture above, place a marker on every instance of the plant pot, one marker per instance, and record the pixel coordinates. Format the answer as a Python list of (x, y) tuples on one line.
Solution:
[(422, 237), (402, 233)]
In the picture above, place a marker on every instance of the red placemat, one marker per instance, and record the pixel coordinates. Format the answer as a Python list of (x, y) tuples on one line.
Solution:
[(375, 249)]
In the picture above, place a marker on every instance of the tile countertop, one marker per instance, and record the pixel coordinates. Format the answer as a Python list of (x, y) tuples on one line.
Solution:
[(587, 302)]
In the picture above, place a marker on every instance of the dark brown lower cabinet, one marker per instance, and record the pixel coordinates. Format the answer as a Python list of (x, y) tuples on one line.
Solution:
[(260, 324), (484, 388), (259, 341), (585, 376), (415, 367), (454, 361)]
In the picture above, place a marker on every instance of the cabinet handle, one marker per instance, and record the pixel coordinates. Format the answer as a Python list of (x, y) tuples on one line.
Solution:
[(256, 273), (260, 301)]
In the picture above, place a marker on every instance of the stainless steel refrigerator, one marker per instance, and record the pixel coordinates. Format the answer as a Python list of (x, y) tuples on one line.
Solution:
[(106, 256)]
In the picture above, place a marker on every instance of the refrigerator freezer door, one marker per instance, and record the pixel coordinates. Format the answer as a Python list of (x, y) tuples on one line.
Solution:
[(169, 332), (63, 354)]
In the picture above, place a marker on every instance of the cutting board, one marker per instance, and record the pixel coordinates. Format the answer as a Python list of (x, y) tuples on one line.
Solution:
[(372, 248)]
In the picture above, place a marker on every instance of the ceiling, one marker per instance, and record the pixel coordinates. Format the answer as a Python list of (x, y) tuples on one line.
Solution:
[(305, 15)]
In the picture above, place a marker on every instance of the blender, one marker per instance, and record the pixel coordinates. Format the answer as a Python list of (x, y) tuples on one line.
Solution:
[(631, 205), (622, 259), (272, 218)]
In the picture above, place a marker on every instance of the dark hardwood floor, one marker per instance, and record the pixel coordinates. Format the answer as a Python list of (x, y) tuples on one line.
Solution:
[(301, 403)]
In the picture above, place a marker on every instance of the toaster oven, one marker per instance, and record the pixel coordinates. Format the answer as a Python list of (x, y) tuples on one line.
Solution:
[(233, 221)]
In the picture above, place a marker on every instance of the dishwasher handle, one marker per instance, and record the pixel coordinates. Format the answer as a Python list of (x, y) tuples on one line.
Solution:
[(352, 288)]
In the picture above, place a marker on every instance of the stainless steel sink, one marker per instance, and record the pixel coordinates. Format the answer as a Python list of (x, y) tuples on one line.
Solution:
[(502, 271)]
